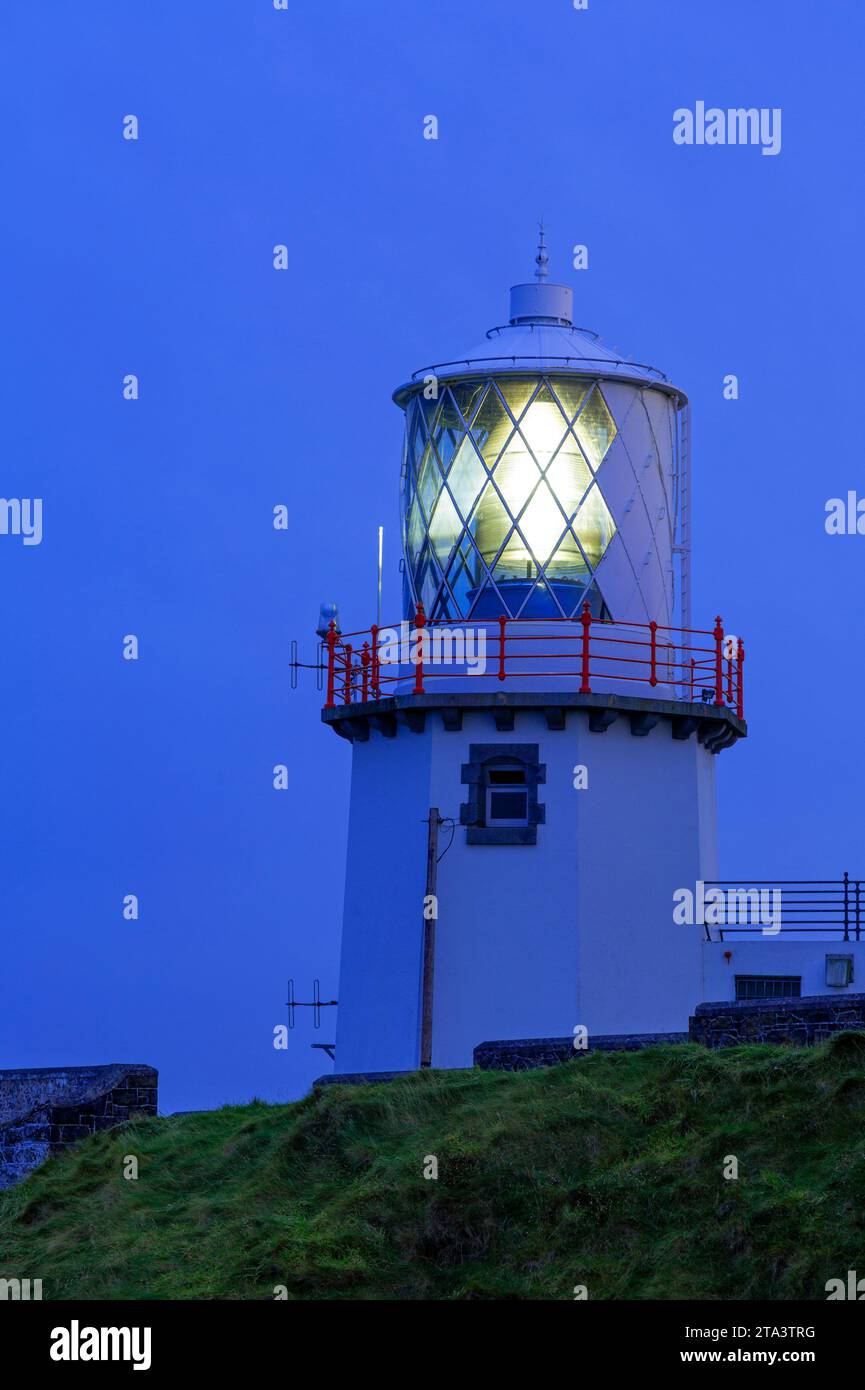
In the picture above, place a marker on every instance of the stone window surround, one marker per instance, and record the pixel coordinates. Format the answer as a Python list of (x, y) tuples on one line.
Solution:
[(473, 776)]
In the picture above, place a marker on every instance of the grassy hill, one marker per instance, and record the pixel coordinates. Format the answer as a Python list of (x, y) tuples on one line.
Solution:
[(606, 1172)]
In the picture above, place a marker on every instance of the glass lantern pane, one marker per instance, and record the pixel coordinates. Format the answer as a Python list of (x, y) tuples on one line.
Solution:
[(517, 393), (447, 608), (595, 526), (491, 427), (543, 427), (426, 580), (515, 561), (569, 476), (471, 559), (416, 440), (467, 396), (570, 394), (516, 473), (567, 563), (595, 428), (415, 530), (407, 489), (429, 482), (445, 528), (420, 560), (490, 524), (428, 591), (462, 576), (542, 524), (466, 477), (430, 410), (448, 432)]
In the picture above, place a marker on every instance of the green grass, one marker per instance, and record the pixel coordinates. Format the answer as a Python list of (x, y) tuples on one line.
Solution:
[(606, 1172)]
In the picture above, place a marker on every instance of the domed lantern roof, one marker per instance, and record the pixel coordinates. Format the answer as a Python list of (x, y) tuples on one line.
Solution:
[(540, 336)]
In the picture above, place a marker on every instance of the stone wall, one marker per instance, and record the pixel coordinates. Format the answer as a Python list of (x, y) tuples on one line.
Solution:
[(45, 1109), (799, 1021), (521, 1054), (802, 1021), (357, 1078)]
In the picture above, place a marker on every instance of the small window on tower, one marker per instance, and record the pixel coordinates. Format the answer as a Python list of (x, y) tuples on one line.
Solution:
[(507, 796), (502, 807)]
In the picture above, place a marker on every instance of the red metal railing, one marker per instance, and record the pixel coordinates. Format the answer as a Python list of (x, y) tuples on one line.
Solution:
[(690, 664)]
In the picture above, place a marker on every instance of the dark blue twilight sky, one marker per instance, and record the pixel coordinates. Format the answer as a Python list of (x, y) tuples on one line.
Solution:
[(304, 126)]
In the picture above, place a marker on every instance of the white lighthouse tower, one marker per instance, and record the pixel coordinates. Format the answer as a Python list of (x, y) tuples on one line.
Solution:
[(533, 744)]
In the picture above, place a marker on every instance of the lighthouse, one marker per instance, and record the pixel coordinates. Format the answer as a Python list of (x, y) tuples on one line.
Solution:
[(533, 739)]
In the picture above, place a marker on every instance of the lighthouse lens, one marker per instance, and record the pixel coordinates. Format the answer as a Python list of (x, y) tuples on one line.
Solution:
[(501, 504)]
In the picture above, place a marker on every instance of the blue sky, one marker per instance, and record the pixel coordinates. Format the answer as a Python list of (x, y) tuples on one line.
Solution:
[(304, 127)]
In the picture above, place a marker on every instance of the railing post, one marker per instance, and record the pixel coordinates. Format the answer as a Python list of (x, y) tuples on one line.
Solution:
[(718, 635), (846, 906), (857, 909), (419, 622), (740, 699), (346, 685), (374, 676), (653, 629), (364, 661), (586, 620), (693, 664), (331, 664), (502, 647)]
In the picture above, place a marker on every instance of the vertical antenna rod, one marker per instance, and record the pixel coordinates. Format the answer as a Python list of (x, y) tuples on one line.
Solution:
[(685, 516), (378, 602)]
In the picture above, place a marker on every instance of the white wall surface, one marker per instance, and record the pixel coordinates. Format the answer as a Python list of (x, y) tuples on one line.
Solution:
[(532, 940)]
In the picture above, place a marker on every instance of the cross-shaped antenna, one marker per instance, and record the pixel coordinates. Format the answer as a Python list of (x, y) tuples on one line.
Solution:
[(316, 1004), (319, 666), (329, 612)]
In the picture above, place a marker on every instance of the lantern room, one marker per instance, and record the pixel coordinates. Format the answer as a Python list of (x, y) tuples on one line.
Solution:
[(541, 471)]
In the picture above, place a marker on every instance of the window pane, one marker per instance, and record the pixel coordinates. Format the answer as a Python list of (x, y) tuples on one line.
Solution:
[(507, 806)]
